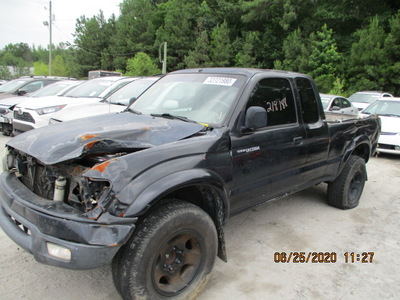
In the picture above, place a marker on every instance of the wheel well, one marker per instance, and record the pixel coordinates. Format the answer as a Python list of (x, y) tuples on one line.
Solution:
[(203, 196), (207, 198), (362, 151)]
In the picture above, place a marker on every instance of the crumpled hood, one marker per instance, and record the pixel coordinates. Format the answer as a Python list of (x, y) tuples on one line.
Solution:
[(99, 135)]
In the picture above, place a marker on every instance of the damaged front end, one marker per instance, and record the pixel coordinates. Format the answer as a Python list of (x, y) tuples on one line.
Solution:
[(58, 214), (63, 189), (64, 182)]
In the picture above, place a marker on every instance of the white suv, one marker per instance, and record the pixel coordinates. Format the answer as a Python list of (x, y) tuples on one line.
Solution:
[(362, 99), (34, 114)]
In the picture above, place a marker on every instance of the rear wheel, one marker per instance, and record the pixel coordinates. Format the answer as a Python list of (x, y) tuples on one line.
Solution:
[(170, 255), (345, 191)]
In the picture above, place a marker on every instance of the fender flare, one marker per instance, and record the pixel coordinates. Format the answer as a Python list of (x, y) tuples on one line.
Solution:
[(165, 185), (362, 140)]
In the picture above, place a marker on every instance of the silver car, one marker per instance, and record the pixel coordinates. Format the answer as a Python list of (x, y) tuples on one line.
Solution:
[(338, 104)]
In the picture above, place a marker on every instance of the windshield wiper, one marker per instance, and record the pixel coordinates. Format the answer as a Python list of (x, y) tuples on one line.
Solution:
[(132, 110), (390, 115), (169, 116)]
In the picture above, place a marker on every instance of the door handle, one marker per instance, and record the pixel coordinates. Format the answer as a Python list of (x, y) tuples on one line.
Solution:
[(297, 140)]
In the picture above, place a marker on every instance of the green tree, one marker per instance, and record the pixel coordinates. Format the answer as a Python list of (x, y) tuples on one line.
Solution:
[(346, 17), (246, 56), (58, 66), (141, 65), (5, 73), (178, 29), (200, 56), (135, 30), (221, 46), (324, 59), (92, 37), (9, 59), (19, 65), (20, 50), (367, 59), (296, 51), (40, 68), (392, 50)]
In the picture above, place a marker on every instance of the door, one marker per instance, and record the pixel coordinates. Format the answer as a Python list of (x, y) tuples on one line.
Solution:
[(268, 161), (347, 108), (317, 140)]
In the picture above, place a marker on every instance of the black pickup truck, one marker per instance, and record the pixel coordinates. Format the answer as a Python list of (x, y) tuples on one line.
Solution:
[(149, 189)]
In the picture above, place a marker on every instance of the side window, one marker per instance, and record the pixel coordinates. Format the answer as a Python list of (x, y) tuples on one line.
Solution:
[(336, 102), (47, 82), (32, 86), (276, 96), (345, 103), (309, 105)]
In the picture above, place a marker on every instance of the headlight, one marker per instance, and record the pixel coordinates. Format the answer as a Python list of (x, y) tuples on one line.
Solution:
[(49, 110)]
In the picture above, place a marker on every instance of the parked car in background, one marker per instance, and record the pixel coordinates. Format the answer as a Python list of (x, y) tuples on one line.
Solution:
[(388, 109), (362, 99), (101, 73), (2, 81), (25, 85), (116, 102), (7, 105), (34, 114), (338, 104)]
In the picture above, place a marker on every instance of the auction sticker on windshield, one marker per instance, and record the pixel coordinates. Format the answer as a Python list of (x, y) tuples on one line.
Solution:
[(220, 81)]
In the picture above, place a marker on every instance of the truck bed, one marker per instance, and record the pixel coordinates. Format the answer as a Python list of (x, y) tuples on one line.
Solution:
[(338, 118)]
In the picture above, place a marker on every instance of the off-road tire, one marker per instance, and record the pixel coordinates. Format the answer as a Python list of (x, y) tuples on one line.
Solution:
[(170, 255), (345, 191)]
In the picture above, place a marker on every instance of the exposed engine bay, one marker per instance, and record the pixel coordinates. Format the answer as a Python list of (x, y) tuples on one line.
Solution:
[(64, 182)]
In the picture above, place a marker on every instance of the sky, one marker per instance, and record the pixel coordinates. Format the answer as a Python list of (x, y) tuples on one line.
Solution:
[(22, 20)]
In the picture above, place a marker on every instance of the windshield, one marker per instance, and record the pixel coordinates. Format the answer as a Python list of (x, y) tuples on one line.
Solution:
[(384, 108), (131, 90), (204, 98), (52, 89), (89, 89), (11, 86), (364, 98)]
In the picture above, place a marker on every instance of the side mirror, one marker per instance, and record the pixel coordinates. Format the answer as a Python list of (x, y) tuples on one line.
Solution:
[(256, 117), (335, 108), (21, 92)]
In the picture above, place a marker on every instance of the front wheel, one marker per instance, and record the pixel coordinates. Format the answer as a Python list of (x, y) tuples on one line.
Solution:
[(170, 256), (345, 191)]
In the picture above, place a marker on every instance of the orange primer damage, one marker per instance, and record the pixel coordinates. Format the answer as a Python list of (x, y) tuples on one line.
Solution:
[(90, 144), (101, 167), (88, 136)]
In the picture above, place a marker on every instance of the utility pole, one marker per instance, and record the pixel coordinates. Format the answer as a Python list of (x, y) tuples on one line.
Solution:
[(45, 23), (164, 61), (51, 42)]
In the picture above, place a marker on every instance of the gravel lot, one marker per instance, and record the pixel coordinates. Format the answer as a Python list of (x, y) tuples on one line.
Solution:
[(299, 223)]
